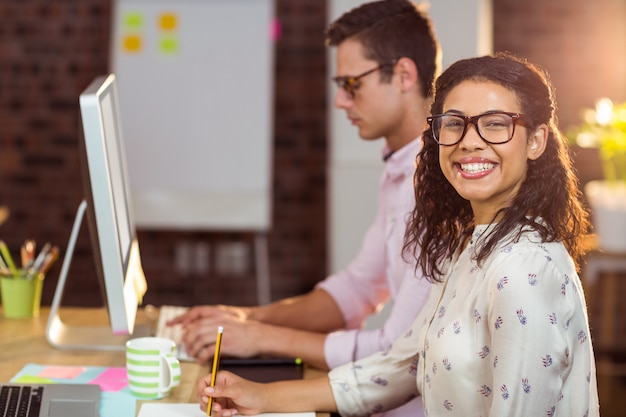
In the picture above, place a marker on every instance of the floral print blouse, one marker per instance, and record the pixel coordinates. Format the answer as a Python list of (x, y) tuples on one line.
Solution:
[(507, 338)]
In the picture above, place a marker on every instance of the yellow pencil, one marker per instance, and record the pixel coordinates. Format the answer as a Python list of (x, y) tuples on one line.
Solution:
[(216, 360), (7, 258)]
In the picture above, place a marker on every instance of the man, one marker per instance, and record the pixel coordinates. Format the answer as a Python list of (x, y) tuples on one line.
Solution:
[(387, 58)]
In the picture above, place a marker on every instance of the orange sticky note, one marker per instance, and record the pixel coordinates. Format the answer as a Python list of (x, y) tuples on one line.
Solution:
[(132, 43), (62, 372), (168, 21)]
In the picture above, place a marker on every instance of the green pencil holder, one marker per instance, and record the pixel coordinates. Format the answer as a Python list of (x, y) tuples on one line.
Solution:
[(21, 296)]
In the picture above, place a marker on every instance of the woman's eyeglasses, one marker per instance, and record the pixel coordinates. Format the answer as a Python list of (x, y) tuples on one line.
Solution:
[(492, 127)]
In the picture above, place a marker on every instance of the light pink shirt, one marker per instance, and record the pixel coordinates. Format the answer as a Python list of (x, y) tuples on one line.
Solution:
[(379, 273)]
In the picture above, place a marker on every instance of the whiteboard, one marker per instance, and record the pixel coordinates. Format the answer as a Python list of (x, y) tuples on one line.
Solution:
[(195, 81)]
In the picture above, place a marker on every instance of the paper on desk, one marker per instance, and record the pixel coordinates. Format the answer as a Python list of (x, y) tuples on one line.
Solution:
[(193, 410), (116, 399)]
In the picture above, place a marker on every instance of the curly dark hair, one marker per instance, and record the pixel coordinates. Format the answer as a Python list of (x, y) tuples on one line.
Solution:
[(548, 201), (389, 30)]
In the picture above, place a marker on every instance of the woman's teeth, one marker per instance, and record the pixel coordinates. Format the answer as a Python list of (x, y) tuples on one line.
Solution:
[(475, 168)]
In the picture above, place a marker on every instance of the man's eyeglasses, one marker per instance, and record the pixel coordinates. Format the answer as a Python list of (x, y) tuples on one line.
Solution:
[(493, 127), (351, 83)]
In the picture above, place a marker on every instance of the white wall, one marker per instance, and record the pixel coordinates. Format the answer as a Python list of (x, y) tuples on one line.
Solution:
[(464, 29)]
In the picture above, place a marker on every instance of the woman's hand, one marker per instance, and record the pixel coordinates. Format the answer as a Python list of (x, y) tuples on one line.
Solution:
[(232, 395)]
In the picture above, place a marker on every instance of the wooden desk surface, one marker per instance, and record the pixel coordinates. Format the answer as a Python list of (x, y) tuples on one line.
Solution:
[(23, 341)]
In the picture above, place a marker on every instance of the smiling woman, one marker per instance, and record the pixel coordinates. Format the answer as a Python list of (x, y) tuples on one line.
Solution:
[(504, 331), (534, 160), (499, 219), (485, 165)]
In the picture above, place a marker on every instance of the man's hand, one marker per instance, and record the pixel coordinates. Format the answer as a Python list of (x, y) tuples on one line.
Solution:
[(217, 312), (200, 331)]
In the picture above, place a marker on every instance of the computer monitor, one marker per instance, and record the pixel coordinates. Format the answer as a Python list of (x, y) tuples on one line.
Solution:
[(111, 226)]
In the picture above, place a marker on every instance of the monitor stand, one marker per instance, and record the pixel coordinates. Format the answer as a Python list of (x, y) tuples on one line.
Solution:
[(64, 336)]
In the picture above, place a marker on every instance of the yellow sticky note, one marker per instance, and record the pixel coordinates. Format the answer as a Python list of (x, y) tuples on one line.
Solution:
[(132, 43), (168, 22), (32, 379)]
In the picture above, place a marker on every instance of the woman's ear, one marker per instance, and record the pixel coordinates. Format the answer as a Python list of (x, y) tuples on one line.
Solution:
[(537, 142)]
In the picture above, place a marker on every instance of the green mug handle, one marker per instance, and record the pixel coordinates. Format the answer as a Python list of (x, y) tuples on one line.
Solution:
[(173, 366)]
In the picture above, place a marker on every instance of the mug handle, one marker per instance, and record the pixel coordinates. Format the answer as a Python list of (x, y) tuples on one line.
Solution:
[(172, 364)]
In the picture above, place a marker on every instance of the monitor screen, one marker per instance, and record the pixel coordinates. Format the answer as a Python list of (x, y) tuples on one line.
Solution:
[(116, 179), (109, 213), (110, 218)]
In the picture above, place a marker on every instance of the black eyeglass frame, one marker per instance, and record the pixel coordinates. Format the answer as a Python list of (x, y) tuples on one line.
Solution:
[(350, 83), (467, 120)]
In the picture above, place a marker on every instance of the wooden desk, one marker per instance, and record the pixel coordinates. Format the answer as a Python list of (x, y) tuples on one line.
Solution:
[(23, 341)]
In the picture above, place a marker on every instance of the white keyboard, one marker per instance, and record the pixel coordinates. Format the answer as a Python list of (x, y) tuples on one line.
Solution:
[(174, 333)]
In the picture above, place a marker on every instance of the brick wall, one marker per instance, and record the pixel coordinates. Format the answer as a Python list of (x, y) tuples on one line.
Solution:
[(580, 43), (50, 50)]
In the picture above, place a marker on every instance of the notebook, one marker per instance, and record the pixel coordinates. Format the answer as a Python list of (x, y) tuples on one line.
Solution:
[(193, 410), (49, 400)]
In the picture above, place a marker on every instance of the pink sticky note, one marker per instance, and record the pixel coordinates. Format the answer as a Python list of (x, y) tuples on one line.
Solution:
[(111, 379), (275, 29), (61, 372)]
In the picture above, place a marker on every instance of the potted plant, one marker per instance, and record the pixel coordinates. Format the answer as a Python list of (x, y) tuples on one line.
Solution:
[(604, 128)]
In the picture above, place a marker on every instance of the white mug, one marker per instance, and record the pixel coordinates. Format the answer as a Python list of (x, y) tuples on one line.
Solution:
[(152, 367)]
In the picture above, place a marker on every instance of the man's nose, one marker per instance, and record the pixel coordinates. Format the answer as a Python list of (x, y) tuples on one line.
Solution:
[(343, 99)]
